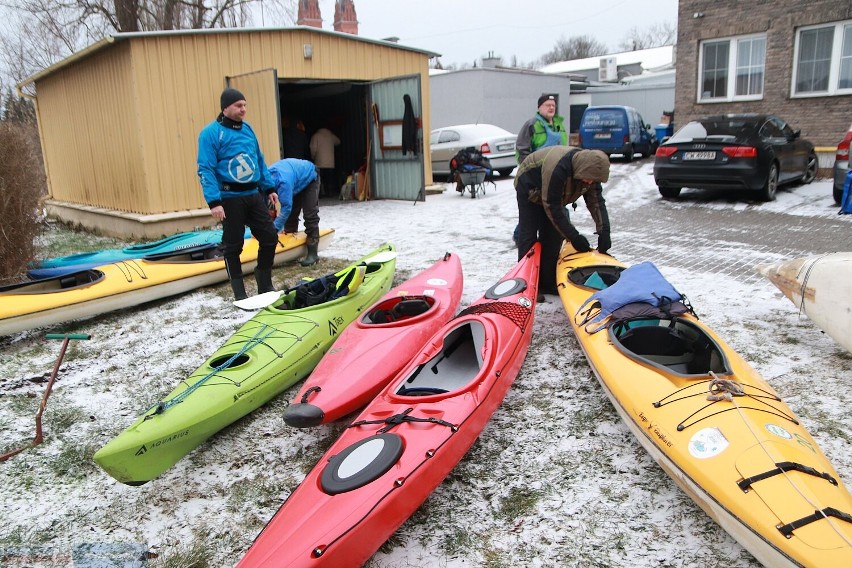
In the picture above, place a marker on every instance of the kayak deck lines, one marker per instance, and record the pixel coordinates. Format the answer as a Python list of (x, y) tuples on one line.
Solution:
[(162, 406), (712, 400), (401, 418)]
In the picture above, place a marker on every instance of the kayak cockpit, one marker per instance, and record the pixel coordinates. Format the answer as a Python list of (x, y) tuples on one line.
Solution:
[(55, 284), (400, 308), (676, 346), (595, 277), (457, 363)]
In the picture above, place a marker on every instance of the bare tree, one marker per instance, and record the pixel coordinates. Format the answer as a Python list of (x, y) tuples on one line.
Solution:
[(575, 47), (656, 35)]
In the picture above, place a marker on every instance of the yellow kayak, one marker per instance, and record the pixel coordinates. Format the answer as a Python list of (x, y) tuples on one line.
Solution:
[(709, 419), (128, 283)]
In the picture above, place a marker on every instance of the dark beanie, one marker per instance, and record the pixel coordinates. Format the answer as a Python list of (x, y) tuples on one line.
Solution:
[(543, 98), (229, 97)]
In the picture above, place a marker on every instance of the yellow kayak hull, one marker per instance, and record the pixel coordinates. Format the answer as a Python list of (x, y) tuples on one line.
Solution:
[(738, 459), (129, 283)]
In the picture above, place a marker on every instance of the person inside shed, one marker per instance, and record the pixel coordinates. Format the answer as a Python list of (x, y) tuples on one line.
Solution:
[(297, 183), (548, 180), (322, 147), (238, 189)]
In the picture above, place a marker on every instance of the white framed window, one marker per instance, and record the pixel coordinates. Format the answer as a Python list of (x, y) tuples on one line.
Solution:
[(823, 60), (732, 69)]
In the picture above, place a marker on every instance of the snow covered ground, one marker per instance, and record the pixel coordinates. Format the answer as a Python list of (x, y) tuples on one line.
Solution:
[(556, 479)]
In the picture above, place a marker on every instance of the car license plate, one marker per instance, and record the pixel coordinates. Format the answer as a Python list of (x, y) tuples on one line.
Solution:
[(505, 147), (601, 135), (699, 155)]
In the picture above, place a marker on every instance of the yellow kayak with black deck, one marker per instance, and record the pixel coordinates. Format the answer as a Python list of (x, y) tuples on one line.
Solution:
[(705, 415), (110, 287)]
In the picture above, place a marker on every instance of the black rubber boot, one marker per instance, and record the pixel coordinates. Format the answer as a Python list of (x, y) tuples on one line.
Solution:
[(263, 277), (311, 257), (239, 288)]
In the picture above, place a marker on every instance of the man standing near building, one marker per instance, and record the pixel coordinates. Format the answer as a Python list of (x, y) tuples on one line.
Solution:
[(236, 185), (323, 143), (297, 184), (544, 129)]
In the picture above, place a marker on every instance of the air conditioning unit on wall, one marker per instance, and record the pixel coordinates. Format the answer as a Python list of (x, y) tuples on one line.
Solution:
[(608, 70)]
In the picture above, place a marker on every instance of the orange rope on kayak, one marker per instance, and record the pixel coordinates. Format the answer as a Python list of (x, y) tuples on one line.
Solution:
[(724, 389)]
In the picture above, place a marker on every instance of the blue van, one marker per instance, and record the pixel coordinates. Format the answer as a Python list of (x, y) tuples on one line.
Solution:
[(616, 130)]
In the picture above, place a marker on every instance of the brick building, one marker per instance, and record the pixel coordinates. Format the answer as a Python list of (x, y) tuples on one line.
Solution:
[(767, 56)]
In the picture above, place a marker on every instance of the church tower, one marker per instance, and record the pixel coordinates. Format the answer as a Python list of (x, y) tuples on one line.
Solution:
[(309, 14), (345, 19)]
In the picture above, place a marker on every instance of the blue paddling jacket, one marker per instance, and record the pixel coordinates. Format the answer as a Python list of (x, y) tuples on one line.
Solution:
[(230, 162), (291, 177)]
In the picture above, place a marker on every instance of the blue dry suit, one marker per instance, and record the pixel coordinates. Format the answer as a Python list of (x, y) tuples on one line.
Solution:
[(230, 162), (291, 177)]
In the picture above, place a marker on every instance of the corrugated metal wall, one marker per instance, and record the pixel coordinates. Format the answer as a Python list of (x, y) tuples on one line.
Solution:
[(397, 175), (120, 127), (91, 134)]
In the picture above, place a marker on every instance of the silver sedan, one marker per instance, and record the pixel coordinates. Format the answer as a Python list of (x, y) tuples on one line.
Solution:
[(496, 144)]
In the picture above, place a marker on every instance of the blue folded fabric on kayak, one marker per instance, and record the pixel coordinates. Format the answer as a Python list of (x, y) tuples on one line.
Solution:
[(641, 282)]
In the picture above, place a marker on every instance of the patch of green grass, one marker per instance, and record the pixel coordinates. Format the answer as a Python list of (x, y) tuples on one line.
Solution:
[(182, 555), (74, 461), (520, 502), (458, 542)]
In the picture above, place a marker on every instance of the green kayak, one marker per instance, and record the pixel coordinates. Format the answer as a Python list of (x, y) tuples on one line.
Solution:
[(272, 351)]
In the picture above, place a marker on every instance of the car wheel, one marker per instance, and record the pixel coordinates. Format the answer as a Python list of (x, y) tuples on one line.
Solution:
[(669, 192), (811, 169), (506, 172), (767, 193), (838, 195)]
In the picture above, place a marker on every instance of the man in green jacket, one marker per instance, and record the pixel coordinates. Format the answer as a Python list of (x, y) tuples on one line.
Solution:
[(546, 128)]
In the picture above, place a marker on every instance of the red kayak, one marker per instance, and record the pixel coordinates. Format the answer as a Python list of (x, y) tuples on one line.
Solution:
[(375, 347), (387, 462)]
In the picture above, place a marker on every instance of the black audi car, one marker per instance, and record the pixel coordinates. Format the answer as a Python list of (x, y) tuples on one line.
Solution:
[(753, 152)]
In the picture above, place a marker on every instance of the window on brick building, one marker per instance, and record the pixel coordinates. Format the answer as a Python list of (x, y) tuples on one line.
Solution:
[(740, 58), (823, 60)]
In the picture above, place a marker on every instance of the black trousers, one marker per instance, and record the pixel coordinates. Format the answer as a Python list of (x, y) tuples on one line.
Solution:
[(535, 226), (306, 202), (247, 210)]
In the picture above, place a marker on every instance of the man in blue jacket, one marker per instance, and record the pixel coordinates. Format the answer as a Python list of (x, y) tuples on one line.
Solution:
[(236, 185), (297, 183)]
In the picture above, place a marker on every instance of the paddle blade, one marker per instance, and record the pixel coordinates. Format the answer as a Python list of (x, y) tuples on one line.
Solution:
[(258, 302), (382, 257)]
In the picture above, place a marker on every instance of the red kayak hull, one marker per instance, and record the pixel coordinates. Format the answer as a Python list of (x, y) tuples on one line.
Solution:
[(409, 437), (376, 346)]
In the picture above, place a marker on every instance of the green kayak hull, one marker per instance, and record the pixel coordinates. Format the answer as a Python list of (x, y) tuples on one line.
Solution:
[(267, 355)]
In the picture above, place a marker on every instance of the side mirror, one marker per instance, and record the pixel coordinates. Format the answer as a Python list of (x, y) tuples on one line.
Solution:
[(796, 134)]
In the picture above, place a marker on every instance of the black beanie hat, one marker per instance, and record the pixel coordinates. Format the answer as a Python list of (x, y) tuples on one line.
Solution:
[(544, 98), (229, 97)]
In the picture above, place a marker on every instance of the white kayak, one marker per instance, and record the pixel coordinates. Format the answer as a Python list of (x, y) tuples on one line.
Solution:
[(821, 287)]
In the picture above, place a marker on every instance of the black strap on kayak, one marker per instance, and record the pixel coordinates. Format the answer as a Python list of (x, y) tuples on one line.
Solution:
[(787, 530), (781, 467), (308, 393), (398, 419)]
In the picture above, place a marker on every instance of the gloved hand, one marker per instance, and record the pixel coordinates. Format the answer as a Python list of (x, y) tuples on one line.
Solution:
[(580, 243), (604, 242)]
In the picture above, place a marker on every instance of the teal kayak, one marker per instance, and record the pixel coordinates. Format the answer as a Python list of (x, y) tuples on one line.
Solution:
[(86, 260), (271, 352)]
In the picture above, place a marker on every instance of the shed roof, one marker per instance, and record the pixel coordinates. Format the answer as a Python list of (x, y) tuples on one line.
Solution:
[(115, 38)]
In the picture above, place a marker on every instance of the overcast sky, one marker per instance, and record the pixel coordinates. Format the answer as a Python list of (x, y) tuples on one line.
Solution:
[(463, 31)]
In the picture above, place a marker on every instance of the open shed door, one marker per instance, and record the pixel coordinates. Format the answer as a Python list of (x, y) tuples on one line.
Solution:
[(395, 175), (261, 91)]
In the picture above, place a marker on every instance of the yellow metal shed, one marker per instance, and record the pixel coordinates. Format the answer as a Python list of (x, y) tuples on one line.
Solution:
[(119, 121)]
